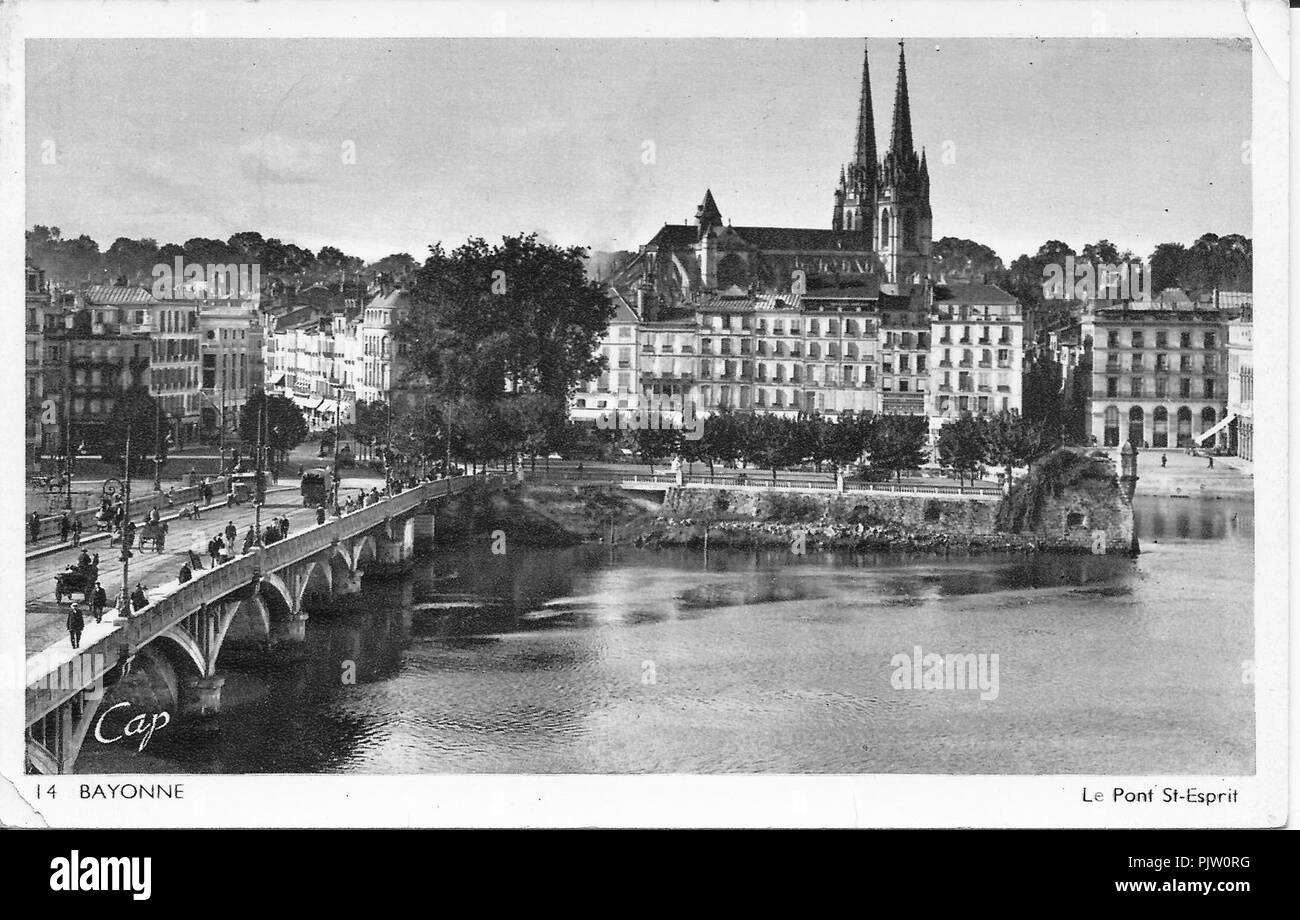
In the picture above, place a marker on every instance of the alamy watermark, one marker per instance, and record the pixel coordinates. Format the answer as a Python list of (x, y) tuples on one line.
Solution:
[(1085, 280), (657, 414), (195, 281), (932, 671)]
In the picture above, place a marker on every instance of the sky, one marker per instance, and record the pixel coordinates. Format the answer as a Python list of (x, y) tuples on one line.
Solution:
[(380, 146)]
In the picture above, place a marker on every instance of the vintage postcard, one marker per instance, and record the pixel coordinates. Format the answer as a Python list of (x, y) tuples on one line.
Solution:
[(646, 414)]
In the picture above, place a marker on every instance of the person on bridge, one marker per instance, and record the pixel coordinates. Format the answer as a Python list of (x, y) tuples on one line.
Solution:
[(195, 556), (138, 598), (98, 601), (34, 526), (214, 550), (206, 491), (65, 527), (185, 573), (231, 533), (76, 623), (171, 496), (154, 516), (284, 526), (1211, 466), (250, 538), (83, 561), (76, 532), (320, 512)]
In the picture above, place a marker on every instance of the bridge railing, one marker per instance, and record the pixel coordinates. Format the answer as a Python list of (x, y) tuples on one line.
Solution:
[(764, 481)]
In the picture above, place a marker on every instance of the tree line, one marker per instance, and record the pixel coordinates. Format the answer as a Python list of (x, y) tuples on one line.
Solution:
[(283, 267), (1212, 261)]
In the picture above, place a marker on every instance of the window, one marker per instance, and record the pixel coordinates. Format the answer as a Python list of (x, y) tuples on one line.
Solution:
[(1135, 388), (1112, 339), (1185, 387), (1112, 386), (1209, 340), (1184, 340), (1162, 387), (1137, 338), (1111, 427), (1209, 388)]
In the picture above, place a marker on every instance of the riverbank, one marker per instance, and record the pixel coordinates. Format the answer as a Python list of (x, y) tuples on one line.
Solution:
[(1071, 505), (1187, 476)]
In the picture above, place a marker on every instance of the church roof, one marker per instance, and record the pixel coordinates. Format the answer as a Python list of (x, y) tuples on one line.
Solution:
[(802, 239)]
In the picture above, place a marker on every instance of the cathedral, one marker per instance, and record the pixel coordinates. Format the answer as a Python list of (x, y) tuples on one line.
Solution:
[(879, 238)]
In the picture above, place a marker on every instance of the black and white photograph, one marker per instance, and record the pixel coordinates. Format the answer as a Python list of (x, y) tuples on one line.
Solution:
[(848, 397)]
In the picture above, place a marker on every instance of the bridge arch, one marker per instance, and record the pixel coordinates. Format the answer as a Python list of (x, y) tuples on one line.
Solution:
[(276, 597), (314, 581)]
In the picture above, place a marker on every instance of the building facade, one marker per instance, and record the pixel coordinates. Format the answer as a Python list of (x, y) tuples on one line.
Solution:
[(230, 336), (1241, 383), (1158, 376)]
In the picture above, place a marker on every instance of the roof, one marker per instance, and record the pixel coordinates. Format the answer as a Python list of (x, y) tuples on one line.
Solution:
[(798, 238), (972, 292), (105, 295), (685, 236)]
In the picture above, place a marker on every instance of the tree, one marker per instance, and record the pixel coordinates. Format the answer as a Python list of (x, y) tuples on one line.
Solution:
[(966, 260), (961, 446), (522, 313), (1010, 441), (896, 443), (285, 427), (139, 414), (1167, 266)]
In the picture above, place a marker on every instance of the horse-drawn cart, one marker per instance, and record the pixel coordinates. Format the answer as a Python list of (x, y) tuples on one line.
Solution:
[(75, 578)]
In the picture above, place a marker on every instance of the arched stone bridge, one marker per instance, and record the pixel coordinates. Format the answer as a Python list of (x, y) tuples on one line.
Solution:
[(173, 646)]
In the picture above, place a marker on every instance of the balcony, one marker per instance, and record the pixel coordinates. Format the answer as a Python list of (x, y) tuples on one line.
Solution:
[(965, 364), (986, 364)]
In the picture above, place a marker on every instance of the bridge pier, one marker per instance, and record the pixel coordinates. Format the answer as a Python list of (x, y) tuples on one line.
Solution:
[(395, 546), (203, 695), (293, 629), (424, 535)]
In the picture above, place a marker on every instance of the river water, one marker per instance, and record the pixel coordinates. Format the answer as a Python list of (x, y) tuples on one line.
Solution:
[(618, 660)]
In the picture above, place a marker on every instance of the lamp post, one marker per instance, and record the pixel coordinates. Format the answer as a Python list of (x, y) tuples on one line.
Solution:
[(67, 410), (157, 446), (125, 598), (337, 402)]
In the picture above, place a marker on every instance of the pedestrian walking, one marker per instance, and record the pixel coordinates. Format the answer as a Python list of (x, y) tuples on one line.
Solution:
[(231, 533), (214, 550), (76, 623), (320, 513), (284, 526), (138, 598), (65, 527), (98, 601), (171, 496), (160, 536), (1211, 463), (76, 531), (34, 526), (185, 573)]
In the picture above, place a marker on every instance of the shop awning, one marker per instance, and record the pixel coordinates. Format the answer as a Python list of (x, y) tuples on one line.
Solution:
[(308, 403)]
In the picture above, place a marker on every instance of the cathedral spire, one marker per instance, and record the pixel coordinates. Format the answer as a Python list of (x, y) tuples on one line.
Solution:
[(707, 214), (864, 151), (900, 140)]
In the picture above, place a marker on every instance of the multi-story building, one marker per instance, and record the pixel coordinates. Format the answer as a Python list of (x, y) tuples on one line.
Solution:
[(230, 335), (619, 385), (1241, 378), (37, 297), (314, 362), (1158, 376), (382, 357), (977, 350), (175, 378), (96, 350)]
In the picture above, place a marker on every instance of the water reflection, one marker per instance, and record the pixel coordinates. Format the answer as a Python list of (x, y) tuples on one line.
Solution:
[(612, 659)]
